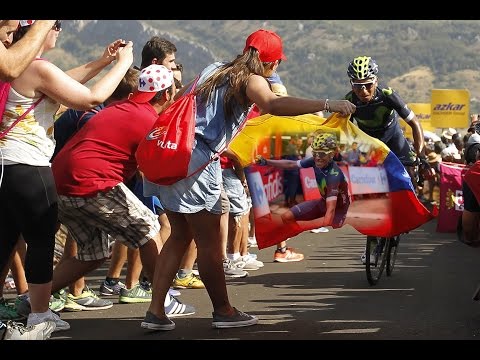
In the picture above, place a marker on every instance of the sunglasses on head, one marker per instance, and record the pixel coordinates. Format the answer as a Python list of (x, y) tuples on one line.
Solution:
[(361, 86), (57, 26)]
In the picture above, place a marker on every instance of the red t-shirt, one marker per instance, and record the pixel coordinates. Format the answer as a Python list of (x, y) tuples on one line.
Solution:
[(102, 153)]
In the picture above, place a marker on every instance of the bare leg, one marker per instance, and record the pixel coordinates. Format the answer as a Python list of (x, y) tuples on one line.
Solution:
[(118, 259), (134, 268), (189, 257), (18, 269)]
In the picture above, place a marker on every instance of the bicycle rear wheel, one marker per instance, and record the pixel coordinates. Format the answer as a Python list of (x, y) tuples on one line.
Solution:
[(392, 254), (376, 254)]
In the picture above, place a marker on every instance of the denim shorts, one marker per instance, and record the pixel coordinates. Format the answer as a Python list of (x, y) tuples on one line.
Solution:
[(235, 192)]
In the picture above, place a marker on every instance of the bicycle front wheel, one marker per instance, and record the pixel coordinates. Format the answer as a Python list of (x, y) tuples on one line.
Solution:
[(392, 254), (376, 255)]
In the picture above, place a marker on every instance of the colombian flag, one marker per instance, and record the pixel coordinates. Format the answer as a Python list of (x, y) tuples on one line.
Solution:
[(383, 200)]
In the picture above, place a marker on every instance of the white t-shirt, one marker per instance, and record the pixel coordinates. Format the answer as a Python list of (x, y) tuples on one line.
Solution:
[(31, 141)]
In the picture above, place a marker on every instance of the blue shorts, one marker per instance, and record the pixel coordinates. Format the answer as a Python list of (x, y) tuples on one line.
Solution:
[(314, 209), (152, 202)]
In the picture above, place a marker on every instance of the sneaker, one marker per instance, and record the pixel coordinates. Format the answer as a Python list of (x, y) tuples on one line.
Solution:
[(250, 263), (252, 242), (18, 331), (60, 324), (137, 294), (152, 322), (8, 312), (191, 281), (174, 292), (177, 308), (246, 264), (250, 259), (240, 319), (108, 290), (22, 304), (57, 301), (288, 256), (232, 271), (319, 230), (87, 300)]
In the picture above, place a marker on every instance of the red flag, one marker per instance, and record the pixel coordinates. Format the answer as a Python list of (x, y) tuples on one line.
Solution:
[(451, 197)]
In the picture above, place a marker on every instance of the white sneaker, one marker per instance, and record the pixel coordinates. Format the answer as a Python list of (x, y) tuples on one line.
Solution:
[(245, 264), (34, 319), (252, 242), (249, 259), (17, 331), (319, 230)]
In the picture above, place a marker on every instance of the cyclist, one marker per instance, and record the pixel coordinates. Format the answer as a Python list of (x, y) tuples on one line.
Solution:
[(331, 209), (377, 111)]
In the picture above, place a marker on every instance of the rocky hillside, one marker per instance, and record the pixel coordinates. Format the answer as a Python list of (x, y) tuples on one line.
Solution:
[(414, 56)]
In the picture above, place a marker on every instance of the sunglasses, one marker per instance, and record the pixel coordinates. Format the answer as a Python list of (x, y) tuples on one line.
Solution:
[(57, 26), (319, 154), (360, 86)]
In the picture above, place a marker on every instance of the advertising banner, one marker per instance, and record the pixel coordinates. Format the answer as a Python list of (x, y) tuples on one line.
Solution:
[(450, 108), (423, 111)]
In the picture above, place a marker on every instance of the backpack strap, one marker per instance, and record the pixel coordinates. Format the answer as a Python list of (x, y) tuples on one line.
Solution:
[(21, 117)]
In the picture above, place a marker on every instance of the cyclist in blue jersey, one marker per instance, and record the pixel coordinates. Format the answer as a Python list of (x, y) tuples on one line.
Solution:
[(377, 111), (331, 209)]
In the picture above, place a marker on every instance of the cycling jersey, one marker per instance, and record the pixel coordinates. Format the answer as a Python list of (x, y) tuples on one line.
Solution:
[(331, 181), (379, 118)]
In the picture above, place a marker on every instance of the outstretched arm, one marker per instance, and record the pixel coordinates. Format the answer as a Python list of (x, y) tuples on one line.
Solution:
[(282, 164), (84, 73), (15, 59)]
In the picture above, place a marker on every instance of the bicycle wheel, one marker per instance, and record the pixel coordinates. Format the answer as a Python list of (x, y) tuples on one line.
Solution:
[(392, 254), (376, 258)]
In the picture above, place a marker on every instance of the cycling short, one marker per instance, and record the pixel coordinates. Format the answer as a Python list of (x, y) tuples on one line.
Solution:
[(314, 209), (401, 147)]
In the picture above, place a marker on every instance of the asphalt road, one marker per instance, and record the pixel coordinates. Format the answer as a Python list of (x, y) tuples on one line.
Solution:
[(324, 297)]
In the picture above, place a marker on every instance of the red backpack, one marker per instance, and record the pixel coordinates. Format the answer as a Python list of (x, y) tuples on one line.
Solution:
[(164, 154)]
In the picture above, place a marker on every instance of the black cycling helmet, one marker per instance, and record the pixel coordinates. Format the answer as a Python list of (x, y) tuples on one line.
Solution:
[(362, 67)]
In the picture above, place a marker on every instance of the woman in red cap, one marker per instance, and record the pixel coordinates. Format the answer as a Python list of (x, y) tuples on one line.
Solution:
[(225, 93)]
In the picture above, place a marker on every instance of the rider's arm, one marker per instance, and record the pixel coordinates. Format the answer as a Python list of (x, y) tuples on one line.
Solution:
[(407, 114), (15, 59), (418, 138), (330, 212), (282, 164)]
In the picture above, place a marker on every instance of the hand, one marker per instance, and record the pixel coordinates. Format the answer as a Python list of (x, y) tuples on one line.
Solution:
[(260, 160), (113, 50), (343, 107), (425, 170)]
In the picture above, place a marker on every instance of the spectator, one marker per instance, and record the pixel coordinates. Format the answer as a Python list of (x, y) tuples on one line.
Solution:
[(227, 91)]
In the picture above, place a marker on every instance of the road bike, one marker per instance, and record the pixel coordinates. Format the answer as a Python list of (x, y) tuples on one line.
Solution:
[(380, 255)]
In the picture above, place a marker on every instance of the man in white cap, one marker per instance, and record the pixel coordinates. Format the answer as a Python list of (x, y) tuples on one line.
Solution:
[(90, 172)]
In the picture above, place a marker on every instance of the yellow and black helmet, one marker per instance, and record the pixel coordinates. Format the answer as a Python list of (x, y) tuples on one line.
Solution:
[(325, 142), (362, 67)]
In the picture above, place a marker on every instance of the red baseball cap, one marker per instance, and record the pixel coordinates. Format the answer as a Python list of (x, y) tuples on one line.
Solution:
[(268, 45)]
